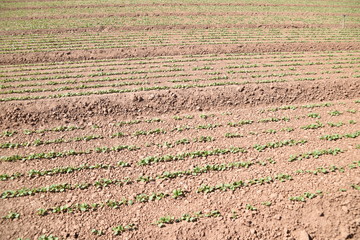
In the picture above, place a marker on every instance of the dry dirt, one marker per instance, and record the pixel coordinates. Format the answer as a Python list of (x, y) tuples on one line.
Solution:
[(272, 94)]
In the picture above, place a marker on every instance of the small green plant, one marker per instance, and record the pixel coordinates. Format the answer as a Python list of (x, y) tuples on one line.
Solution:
[(233, 135), (97, 232), (11, 215), (234, 215), (315, 154), (177, 193), (118, 230), (50, 237), (165, 220), (338, 124), (118, 135), (314, 115), (240, 123), (351, 111), (288, 129), (268, 204), (206, 116), (335, 113), (271, 131), (313, 126), (306, 195), (250, 207)]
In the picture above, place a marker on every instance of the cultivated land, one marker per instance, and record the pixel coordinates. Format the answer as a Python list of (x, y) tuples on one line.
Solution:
[(186, 120)]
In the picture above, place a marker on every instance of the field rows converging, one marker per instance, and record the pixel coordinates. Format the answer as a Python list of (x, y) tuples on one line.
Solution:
[(179, 120), (88, 41)]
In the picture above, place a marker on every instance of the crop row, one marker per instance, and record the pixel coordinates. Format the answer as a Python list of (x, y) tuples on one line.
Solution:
[(84, 207), (62, 170), (51, 155), (186, 217), (334, 137), (250, 68), (176, 193), (141, 89), (39, 142), (165, 175), (191, 58)]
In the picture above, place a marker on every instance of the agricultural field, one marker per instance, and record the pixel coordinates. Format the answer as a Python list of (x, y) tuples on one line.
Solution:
[(190, 119)]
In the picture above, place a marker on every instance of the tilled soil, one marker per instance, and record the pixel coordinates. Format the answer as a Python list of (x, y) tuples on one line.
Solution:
[(153, 132), (333, 213)]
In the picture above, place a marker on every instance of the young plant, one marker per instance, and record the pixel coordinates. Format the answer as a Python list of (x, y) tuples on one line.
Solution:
[(11, 215)]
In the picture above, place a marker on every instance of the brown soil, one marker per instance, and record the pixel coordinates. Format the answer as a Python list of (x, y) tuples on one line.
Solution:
[(176, 100), (287, 87), (175, 50)]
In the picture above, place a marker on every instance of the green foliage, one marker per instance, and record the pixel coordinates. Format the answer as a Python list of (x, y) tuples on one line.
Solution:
[(8, 133), (282, 108), (48, 237), (339, 124), (240, 123), (55, 129), (206, 116), (154, 131), (182, 156), (97, 232), (315, 154), (352, 110), (266, 120), (39, 142), (317, 105), (235, 185), (187, 217), (314, 115), (352, 122), (118, 230), (233, 135), (153, 120), (306, 195), (335, 113), (313, 126), (5, 177), (131, 122), (288, 129), (208, 126), (250, 207), (51, 155), (118, 135), (11, 215), (335, 137), (177, 193), (272, 145), (268, 204), (63, 187), (271, 131)]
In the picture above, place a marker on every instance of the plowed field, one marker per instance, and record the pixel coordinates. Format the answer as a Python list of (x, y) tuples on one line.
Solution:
[(179, 120)]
